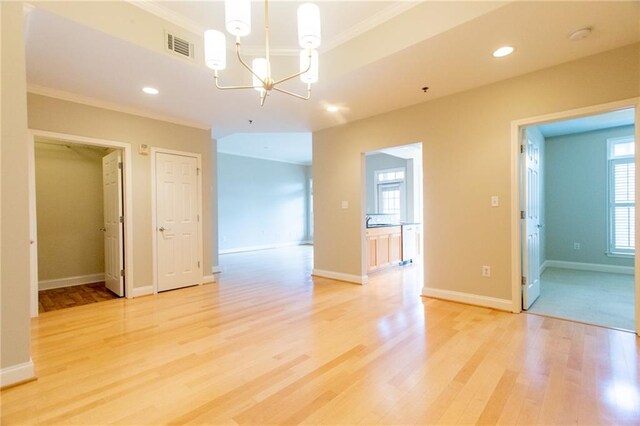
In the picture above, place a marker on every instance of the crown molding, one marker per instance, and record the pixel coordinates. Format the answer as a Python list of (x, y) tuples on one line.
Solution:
[(263, 157), (369, 23), (155, 8), (98, 103)]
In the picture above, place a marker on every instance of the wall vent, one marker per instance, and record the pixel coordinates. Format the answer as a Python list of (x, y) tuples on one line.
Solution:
[(178, 46)]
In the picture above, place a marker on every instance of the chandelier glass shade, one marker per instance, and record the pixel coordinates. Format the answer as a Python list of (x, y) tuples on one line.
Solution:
[(238, 24)]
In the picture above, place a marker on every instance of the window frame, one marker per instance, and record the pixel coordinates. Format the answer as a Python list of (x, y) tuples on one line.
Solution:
[(612, 160), (400, 182)]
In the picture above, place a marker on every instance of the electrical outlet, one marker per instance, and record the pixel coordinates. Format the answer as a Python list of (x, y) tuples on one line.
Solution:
[(576, 246), (486, 271)]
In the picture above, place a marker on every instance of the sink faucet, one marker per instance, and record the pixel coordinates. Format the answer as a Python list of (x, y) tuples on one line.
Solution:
[(368, 220)]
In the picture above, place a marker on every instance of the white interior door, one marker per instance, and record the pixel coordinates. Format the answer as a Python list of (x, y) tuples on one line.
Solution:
[(177, 206), (531, 222), (113, 222)]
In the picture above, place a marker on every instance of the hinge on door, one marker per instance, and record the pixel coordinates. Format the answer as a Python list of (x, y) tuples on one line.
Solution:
[(198, 217), (522, 214), (121, 219), (198, 171), (198, 264), (523, 148), (122, 272), (524, 280), (120, 165)]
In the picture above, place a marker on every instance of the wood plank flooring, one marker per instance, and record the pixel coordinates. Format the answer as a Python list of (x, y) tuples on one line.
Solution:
[(269, 344), (68, 297)]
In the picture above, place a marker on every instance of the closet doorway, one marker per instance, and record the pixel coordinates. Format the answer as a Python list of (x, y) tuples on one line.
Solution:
[(80, 221)]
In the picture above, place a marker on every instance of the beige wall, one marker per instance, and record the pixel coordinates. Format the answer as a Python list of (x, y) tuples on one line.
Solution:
[(466, 154), (69, 209), (72, 118), (14, 281)]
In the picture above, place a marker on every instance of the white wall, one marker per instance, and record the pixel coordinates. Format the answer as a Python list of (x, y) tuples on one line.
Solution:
[(261, 203)]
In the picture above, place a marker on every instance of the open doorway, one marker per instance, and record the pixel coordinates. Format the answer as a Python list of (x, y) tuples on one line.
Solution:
[(393, 203), (80, 225), (578, 222), (80, 216)]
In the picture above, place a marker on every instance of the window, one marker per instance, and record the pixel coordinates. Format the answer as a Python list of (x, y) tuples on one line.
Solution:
[(389, 198), (390, 191), (622, 199)]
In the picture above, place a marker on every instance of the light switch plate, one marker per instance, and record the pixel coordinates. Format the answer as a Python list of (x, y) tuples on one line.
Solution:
[(495, 201), (143, 149), (345, 204)]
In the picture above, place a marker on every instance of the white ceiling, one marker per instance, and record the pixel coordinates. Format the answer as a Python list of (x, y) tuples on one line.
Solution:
[(375, 68), (339, 23), (286, 147), (623, 117)]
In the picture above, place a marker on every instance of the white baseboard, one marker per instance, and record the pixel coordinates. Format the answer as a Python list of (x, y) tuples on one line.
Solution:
[(17, 373), (209, 279), (262, 247), (70, 281), (142, 291), (216, 269), (544, 266), (340, 276), (468, 298), (595, 267)]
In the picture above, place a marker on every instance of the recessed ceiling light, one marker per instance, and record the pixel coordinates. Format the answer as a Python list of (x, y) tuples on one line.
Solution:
[(332, 108), (503, 51), (150, 90)]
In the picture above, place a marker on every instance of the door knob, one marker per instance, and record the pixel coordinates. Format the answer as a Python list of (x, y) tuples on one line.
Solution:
[(103, 229), (162, 229)]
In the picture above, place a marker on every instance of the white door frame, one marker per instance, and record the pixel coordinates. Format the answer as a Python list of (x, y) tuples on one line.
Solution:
[(516, 127), (154, 226), (128, 204)]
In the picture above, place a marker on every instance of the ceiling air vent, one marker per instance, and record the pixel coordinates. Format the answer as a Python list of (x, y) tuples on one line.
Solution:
[(179, 46)]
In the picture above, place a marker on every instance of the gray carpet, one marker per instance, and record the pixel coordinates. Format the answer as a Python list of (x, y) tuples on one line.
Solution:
[(593, 297)]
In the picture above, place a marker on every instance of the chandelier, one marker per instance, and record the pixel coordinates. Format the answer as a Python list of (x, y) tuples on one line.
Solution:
[(238, 24)]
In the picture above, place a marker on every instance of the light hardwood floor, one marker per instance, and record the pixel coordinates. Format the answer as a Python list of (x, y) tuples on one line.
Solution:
[(269, 344)]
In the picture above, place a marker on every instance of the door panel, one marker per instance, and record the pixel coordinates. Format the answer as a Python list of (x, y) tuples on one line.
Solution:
[(177, 221), (113, 225), (531, 223)]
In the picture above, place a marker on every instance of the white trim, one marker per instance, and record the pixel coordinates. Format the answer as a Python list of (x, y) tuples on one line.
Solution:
[(468, 298), (516, 126), (128, 202), (155, 8), (154, 226), (70, 281), (262, 247), (258, 157), (340, 276), (86, 100), (544, 266), (17, 373), (209, 279), (216, 270), (142, 291), (33, 229), (368, 23), (595, 267)]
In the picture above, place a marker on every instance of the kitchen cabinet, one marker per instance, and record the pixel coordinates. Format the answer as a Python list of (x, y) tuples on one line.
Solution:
[(384, 246)]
